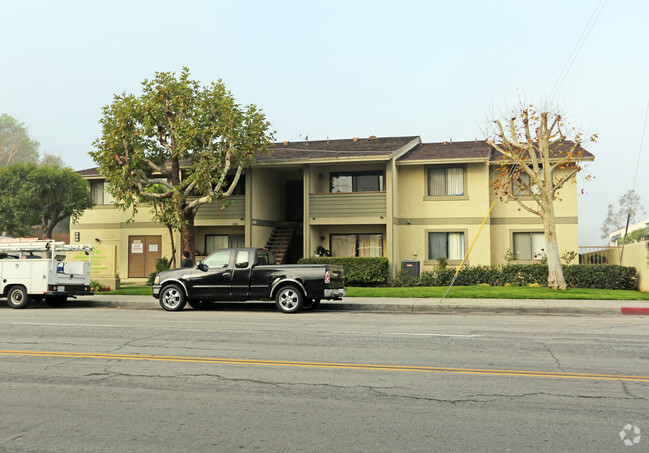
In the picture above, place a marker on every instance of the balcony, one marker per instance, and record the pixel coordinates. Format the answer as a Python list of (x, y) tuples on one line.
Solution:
[(368, 205), (210, 212)]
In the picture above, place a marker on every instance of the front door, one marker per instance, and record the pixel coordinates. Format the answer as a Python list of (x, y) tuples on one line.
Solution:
[(143, 251), (214, 282)]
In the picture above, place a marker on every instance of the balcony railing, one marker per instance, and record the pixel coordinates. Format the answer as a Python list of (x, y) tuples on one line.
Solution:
[(234, 210), (599, 254), (348, 204)]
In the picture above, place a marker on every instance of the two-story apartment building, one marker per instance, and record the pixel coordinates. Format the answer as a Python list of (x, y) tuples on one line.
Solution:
[(394, 197)]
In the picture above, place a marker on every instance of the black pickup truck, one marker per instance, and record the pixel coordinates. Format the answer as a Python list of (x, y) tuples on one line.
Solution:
[(249, 274)]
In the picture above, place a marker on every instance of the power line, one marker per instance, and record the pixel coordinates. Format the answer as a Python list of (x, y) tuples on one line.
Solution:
[(575, 51), (637, 166)]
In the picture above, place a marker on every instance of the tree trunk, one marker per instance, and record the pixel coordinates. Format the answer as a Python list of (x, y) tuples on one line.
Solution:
[(556, 279), (172, 261), (187, 235), (47, 229)]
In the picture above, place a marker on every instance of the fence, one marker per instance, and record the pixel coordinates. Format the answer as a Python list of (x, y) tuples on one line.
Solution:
[(601, 254)]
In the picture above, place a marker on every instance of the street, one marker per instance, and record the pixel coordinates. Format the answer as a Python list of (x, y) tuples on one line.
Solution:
[(100, 379)]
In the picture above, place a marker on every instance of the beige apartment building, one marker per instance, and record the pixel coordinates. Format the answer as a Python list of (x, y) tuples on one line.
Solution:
[(393, 197)]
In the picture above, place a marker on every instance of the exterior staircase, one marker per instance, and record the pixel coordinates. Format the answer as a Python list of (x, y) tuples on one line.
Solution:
[(280, 240)]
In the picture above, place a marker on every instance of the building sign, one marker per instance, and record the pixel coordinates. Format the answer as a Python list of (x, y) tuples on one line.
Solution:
[(102, 260), (137, 247)]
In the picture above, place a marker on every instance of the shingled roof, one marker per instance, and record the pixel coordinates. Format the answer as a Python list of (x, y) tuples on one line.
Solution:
[(384, 147), (466, 151), (476, 151)]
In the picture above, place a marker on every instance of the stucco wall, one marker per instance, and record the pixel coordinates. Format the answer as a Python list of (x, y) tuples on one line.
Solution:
[(418, 214), (637, 255)]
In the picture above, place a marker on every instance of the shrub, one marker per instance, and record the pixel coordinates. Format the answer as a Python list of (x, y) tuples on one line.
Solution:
[(161, 264), (358, 271), (403, 278), (97, 287), (601, 276), (475, 275)]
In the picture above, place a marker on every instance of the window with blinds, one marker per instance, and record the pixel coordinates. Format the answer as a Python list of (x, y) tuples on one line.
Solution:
[(448, 245), (447, 181), (529, 246), (223, 241), (362, 181), (357, 245)]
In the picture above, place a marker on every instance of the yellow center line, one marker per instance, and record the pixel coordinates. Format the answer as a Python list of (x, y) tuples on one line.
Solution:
[(332, 365)]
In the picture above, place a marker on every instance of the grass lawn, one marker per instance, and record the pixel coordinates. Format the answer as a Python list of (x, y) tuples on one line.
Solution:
[(498, 292), (469, 292), (131, 291)]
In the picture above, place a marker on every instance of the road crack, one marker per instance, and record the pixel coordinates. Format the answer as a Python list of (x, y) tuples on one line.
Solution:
[(553, 356)]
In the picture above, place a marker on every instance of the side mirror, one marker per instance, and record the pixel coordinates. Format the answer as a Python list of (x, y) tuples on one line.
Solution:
[(202, 266), (241, 265)]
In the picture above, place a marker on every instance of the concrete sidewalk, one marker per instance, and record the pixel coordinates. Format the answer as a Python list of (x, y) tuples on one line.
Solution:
[(404, 305)]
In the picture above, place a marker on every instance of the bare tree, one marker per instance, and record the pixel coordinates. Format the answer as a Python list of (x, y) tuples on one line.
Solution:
[(536, 160), (629, 206)]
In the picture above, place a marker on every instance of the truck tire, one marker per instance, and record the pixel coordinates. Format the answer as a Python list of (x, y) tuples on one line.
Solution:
[(172, 298), (289, 299), (55, 301), (18, 297)]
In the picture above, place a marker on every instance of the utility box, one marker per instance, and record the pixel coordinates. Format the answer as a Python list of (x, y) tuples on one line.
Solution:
[(411, 268)]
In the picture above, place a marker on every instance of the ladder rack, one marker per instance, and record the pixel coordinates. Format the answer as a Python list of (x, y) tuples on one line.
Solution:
[(40, 245)]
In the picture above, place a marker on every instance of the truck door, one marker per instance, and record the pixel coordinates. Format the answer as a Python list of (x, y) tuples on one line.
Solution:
[(241, 274), (215, 279)]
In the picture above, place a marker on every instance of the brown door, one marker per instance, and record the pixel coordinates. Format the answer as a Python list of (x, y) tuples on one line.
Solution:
[(143, 251)]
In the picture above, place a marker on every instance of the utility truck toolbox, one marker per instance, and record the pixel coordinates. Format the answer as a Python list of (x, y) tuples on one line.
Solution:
[(32, 269)]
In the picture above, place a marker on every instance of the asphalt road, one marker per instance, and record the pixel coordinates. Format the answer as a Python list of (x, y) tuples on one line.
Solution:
[(98, 379)]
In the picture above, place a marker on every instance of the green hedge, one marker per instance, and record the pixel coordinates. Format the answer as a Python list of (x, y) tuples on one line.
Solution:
[(577, 276), (601, 276), (358, 271)]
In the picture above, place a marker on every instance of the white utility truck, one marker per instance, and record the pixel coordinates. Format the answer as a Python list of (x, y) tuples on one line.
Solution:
[(32, 269)]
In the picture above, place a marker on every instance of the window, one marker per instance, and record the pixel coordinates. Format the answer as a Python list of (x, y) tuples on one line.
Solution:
[(99, 193), (521, 185), (446, 181), (529, 246), (218, 259), (366, 181), (243, 259), (265, 257), (447, 245), (357, 245), (223, 241)]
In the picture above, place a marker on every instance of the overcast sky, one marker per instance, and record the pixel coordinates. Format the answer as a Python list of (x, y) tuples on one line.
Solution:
[(345, 69)]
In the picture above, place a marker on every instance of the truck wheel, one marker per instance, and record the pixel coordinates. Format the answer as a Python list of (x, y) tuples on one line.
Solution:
[(289, 299), (198, 304), (55, 301), (311, 304), (18, 297), (172, 298)]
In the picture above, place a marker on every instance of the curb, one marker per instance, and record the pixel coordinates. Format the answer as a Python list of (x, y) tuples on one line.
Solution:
[(531, 307), (635, 311)]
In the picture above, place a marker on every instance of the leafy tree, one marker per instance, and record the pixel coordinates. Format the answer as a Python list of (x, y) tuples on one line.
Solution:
[(629, 206), (181, 137), (42, 196), (15, 143), (537, 160), (639, 235)]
